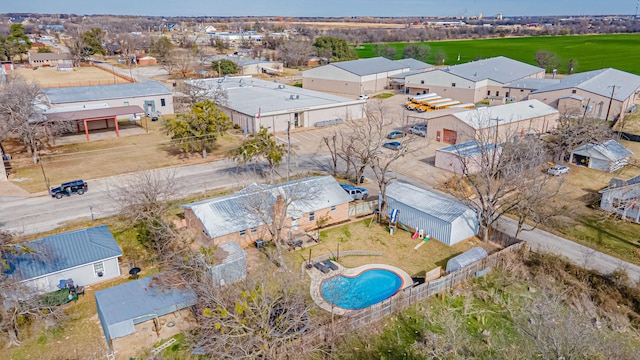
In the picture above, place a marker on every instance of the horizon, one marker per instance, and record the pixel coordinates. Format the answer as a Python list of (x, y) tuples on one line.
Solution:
[(328, 8)]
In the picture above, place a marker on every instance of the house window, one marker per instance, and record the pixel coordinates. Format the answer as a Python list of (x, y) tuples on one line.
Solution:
[(489, 93), (254, 230), (126, 103), (421, 81), (453, 84), (98, 268), (574, 91), (312, 216), (497, 93), (521, 90), (333, 208), (243, 232), (163, 102), (507, 94)]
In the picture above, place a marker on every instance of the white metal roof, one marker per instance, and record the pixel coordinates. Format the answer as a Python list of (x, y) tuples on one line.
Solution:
[(232, 213), (105, 92), (610, 149), (370, 66), (599, 82), (532, 83), (500, 69), (247, 95), (428, 202), (488, 116), (413, 64)]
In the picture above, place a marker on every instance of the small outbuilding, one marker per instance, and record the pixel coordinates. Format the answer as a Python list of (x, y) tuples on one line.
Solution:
[(465, 157), (86, 256), (232, 268), (444, 219), (121, 307), (606, 156), (465, 259)]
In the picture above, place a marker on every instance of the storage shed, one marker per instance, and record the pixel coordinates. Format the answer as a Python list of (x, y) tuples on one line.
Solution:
[(446, 220), (466, 258), (606, 156), (233, 268), (121, 307)]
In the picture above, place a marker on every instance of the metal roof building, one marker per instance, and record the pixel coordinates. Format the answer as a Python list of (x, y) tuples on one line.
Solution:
[(445, 219), (605, 92), (464, 157), (121, 307), (606, 156), (233, 268), (363, 76), (71, 255), (253, 103), (234, 213), (105, 92), (487, 117)]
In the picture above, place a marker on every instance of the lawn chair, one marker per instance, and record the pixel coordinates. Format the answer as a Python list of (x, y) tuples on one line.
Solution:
[(328, 263), (321, 267)]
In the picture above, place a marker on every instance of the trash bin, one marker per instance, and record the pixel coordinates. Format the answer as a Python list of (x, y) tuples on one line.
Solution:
[(361, 179)]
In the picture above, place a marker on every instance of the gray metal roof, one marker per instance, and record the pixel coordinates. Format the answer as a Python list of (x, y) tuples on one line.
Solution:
[(105, 92), (233, 213), (599, 82), (486, 117), (405, 74), (370, 66), (247, 95), (427, 202), (123, 305), (413, 64), (466, 258), (467, 149), (532, 83), (500, 69), (610, 150), (59, 252), (240, 61)]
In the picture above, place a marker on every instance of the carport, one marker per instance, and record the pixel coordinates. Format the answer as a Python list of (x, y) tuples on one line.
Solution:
[(108, 114)]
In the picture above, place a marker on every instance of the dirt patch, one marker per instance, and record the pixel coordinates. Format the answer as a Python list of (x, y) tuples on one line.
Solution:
[(50, 77)]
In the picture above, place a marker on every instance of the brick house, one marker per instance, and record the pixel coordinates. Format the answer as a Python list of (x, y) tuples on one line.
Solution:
[(241, 217)]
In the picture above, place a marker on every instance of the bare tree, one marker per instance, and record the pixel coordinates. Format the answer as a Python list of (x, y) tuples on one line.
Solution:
[(295, 53), (574, 130)]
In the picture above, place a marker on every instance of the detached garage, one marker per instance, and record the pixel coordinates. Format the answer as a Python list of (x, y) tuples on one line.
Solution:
[(446, 220), (606, 156)]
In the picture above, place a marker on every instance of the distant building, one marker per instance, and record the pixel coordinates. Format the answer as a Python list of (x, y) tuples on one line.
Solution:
[(49, 59)]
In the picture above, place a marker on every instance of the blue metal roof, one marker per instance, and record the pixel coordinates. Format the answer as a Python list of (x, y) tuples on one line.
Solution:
[(610, 149), (427, 202), (137, 301), (59, 252), (467, 149), (105, 92)]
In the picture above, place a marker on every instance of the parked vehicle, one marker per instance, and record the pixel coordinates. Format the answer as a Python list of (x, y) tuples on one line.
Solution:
[(363, 97), (357, 193), (393, 145), (420, 130), (66, 189), (557, 170), (395, 134)]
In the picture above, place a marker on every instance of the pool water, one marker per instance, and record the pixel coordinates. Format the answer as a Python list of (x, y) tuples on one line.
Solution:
[(368, 288)]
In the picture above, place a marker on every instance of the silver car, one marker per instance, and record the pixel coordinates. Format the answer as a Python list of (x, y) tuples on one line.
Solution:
[(557, 170), (420, 130)]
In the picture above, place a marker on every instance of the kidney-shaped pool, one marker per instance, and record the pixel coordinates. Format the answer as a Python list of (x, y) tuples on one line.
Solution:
[(363, 290)]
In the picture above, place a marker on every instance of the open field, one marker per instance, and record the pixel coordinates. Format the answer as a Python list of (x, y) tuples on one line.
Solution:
[(108, 157), (591, 52), (49, 77)]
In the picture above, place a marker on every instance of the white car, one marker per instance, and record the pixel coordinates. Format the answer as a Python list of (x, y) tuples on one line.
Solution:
[(363, 97), (557, 170), (420, 130)]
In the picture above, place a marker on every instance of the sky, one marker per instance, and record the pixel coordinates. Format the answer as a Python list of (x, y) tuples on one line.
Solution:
[(322, 8)]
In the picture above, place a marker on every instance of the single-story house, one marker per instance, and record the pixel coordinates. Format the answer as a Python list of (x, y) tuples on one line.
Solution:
[(240, 217), (464, 157), (623, 198), (608, 156), (123, 306), (232, 268), (48, 59), (363, 76), (145, 59), (605, 94), (473, 81), (444, 219), (247, 66), (86, 256), (511, 120), (254, 103)]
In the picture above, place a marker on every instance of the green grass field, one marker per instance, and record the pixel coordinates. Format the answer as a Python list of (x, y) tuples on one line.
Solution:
[(620, 51)]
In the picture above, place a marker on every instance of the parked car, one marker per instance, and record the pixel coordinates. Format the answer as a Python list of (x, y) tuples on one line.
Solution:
[(357, 193), (393, 145), (363, 97), (420, 130), (557, 170), (66, 189), (396, 134)]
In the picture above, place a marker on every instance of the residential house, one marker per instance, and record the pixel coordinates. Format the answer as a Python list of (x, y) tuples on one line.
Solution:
[(48, 59), (607, 156), (623, 198)]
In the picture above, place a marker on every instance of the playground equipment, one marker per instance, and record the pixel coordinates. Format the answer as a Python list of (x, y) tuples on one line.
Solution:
[(394, 215), (424, 241)]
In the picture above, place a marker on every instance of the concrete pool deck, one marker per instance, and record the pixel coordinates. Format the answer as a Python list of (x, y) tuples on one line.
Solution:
[(317, 277)]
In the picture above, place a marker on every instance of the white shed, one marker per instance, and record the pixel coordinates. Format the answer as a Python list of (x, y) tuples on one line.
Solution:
[(446, 220), (606, 156)]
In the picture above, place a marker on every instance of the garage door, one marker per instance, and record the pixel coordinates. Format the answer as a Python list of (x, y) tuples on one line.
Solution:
[(449, 136)]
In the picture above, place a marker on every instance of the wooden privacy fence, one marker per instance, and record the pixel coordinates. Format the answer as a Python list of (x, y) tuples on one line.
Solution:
[(411, 295), (363, 208)]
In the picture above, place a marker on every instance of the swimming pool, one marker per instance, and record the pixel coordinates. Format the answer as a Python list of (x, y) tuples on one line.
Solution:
[(361, 291)]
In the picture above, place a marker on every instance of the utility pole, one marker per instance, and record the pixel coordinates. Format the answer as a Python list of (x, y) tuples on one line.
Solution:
[(613, 90), (288, 147)]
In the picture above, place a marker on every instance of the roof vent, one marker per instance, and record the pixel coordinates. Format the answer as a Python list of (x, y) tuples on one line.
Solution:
[(297, 97), (291, 97), (531, 106), (280, 86)]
